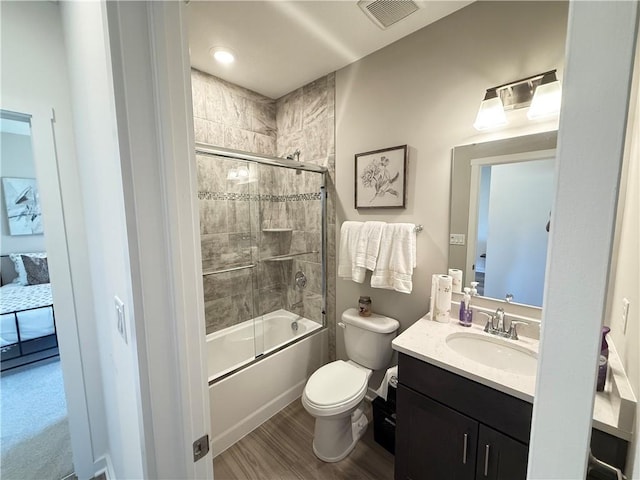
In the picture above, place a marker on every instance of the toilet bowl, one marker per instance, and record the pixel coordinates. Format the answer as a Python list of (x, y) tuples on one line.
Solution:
[(334, 394)]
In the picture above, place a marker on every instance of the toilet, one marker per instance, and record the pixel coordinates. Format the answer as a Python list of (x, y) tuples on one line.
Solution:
[(334, 394)]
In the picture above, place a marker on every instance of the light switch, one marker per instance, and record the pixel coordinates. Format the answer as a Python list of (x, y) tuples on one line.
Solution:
[(121, 319), (456, 239), (625, 314)]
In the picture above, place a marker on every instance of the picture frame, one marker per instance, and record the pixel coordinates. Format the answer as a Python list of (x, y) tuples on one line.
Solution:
[(22, 203), (381, 178)]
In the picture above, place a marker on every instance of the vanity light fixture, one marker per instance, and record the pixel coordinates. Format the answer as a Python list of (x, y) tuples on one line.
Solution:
[(541, 93), (546, 98), (222, 55), (491, 113)]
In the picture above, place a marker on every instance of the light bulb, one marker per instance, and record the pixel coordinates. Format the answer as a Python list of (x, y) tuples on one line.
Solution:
[(491, 113)]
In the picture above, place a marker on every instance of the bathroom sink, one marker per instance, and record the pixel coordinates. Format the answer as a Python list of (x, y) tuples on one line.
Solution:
[(494, 352)]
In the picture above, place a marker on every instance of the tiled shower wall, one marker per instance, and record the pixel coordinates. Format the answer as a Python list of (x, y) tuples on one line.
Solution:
[(306, 121), (232, 117)]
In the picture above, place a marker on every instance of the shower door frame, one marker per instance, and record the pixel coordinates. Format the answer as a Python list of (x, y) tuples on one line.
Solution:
[(231, 154)]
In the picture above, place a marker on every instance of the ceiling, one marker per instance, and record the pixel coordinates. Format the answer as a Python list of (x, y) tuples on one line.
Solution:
[(281, 45)]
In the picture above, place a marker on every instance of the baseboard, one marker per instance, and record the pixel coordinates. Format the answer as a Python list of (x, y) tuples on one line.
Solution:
[(227, 438)]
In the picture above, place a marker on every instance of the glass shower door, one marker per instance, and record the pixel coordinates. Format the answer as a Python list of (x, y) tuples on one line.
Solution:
[(289, 281), (228, 219)]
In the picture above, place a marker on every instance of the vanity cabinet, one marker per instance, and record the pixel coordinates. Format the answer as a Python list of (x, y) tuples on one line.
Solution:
[(452, 428), (449, 427), (433, 441), (500, 457)]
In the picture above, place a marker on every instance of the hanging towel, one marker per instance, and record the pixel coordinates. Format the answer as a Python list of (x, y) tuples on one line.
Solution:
[(369, 245), (349, 235), (396, 259)]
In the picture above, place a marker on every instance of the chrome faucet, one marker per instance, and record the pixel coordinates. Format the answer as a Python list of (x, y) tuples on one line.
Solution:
[(499, 324)]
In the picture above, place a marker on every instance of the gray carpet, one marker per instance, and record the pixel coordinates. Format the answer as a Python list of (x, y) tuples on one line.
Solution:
[(34, 433)]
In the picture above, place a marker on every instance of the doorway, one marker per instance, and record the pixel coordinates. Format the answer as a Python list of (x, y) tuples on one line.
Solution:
[(32, 397)]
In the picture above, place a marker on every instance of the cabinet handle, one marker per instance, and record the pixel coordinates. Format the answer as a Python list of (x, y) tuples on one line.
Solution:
[(486, 460), (464, 449)]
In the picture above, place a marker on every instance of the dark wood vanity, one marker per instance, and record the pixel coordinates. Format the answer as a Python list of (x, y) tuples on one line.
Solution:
[(450, 427)]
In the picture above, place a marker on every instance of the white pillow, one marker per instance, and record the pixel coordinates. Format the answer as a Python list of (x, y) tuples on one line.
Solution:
[(19, 266)]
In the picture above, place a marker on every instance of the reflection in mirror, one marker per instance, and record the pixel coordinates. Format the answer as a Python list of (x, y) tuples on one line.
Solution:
[(501, 197)]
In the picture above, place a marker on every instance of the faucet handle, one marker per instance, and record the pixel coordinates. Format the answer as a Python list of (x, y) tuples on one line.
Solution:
[(489, 325), (513, 332), (499, 316)]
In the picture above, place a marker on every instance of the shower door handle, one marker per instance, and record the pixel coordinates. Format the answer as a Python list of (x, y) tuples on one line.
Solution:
[(226, 270)]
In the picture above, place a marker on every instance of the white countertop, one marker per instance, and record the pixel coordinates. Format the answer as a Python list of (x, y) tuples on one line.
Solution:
[(426, 340)]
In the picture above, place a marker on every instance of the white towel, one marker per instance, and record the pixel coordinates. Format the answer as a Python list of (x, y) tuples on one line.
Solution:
[(390, 377), (368, 246), (349, 234), (396, 259)]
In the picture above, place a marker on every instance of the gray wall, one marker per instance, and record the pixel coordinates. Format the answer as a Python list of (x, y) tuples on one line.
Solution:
[(424, 91), (625, 271)]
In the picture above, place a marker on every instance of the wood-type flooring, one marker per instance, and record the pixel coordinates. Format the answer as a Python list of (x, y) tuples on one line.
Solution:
[(281, 449)]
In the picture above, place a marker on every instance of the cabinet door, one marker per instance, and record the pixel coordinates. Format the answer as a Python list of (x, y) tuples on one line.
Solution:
[(500, 457), (432, 441)]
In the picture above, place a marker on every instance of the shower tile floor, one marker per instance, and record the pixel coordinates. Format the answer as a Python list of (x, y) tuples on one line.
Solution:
[(281, 449)]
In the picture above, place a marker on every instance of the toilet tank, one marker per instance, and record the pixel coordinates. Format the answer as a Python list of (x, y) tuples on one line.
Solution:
[(368, 339)]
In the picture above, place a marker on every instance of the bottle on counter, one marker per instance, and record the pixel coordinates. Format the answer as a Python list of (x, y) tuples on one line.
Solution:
[(465, 315)]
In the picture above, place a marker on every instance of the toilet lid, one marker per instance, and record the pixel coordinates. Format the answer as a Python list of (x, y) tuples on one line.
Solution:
[(335, 383)]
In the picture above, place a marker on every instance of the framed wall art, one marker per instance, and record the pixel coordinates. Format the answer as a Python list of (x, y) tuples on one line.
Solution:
[(381, 178), (23, 206)]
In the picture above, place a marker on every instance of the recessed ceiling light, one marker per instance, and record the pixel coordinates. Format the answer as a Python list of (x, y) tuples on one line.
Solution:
[(222, 55)]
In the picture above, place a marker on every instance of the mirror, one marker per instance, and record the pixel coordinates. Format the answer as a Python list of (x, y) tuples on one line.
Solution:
[(501, 197)]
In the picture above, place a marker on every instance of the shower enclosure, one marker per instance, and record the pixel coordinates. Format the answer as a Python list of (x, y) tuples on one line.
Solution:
[(263, 238)]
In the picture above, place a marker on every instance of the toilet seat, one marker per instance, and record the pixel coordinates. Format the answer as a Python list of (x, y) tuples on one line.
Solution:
[(335, 388)]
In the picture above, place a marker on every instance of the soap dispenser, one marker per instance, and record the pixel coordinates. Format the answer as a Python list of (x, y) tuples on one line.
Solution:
[(465, 316)]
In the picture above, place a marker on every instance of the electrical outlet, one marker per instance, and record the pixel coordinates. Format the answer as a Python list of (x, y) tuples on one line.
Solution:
[(456, 239), (121, 319), (625, 314)]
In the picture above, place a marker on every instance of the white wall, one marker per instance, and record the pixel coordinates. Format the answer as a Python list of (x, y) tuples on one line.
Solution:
[(17, 161), (34, 80), (424, 90), (97, 150), (129, 70)]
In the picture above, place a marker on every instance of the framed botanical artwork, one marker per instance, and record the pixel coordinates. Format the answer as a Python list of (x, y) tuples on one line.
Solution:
[(23, 206), (381, 178)]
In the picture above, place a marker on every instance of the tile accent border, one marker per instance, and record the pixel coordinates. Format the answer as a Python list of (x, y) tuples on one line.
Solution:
[(264, 197)]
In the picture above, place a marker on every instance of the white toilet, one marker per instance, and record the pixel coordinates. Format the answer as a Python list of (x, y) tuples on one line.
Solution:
[(334, 394)]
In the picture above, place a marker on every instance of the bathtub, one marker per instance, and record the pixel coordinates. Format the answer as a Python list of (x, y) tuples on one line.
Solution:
[(236, 346), (245, 391)]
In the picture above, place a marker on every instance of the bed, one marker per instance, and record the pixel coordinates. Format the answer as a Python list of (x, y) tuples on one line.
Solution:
[(27, 319)]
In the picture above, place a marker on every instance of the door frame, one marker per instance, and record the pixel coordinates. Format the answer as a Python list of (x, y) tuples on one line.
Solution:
[(601, 41), (151, 70)]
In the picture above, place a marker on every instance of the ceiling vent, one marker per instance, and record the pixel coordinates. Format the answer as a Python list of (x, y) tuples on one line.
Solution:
[(385, 13)]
